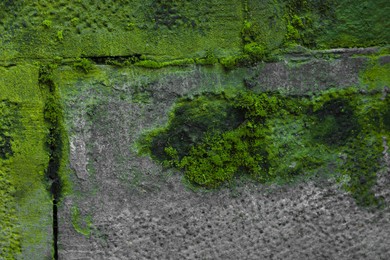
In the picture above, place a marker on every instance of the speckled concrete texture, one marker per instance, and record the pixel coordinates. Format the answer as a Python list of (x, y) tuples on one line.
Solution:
[(307, 221)]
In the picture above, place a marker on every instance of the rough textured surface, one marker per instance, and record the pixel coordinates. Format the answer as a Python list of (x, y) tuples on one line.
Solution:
[(131, 208), (165, 29), (81, 81), (310, 76), (297, 222), (25, 230)]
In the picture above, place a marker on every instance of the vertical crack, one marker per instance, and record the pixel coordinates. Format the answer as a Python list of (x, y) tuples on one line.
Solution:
[(55, 229), (54, 143), (55, 190)]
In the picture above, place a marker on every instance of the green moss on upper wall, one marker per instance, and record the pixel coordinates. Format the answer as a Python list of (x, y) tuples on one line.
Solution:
[(357, 24), (166, 30), (317, 24), (162, 29)]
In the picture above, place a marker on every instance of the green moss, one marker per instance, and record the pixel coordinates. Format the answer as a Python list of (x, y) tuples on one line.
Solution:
[(357, 25), (178, 30), (213, 138), (273, 138), (362, 163), (10, 235), (332, 24), (83, 64), (206, 113), (60, 35), (80, 224), (230, 62), (377, 74), (255, 50), (56, 141), (335, 122), (28, 227), (264, 24), (47, 23), (305, 20), (8, 120), (161, 29)]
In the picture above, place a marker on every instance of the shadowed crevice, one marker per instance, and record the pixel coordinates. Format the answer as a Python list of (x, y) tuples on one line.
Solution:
[(54, 144)]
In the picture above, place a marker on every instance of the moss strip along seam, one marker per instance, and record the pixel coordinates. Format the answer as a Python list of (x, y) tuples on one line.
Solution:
[(55, 145)]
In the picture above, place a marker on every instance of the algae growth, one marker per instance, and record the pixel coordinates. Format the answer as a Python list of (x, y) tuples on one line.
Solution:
[(212, 137), (270, 137)]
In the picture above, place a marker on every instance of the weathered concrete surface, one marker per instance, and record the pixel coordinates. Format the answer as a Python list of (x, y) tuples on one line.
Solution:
[(309, 72), (128, 207), (307, 221)]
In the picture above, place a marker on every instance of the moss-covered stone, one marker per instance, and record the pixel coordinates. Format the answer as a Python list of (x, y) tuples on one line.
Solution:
[(176, 30), (336, 122), (160, 29), (212, 137), (209, 113), (28, 229), (274, 138)]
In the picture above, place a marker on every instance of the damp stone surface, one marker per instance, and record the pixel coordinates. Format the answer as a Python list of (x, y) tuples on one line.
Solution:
[(216, 129)]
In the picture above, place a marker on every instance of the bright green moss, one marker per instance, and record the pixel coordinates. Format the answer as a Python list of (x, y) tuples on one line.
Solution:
[(60, 35), (9, 235), (80, 224), (28, 228), (161, 29), (47, 23), (83, 64), (275, 138), (8, 121), (306, 19), (255, 50), (377, 74), (152, 64)]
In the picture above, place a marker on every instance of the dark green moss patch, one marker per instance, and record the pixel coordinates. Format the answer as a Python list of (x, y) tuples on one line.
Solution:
[(269, 137), (8, 122), (362, 164), (55, 144), (306, 19), (55, 139), (386, 118), (192, 120), (335, 123), (166, 13)]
